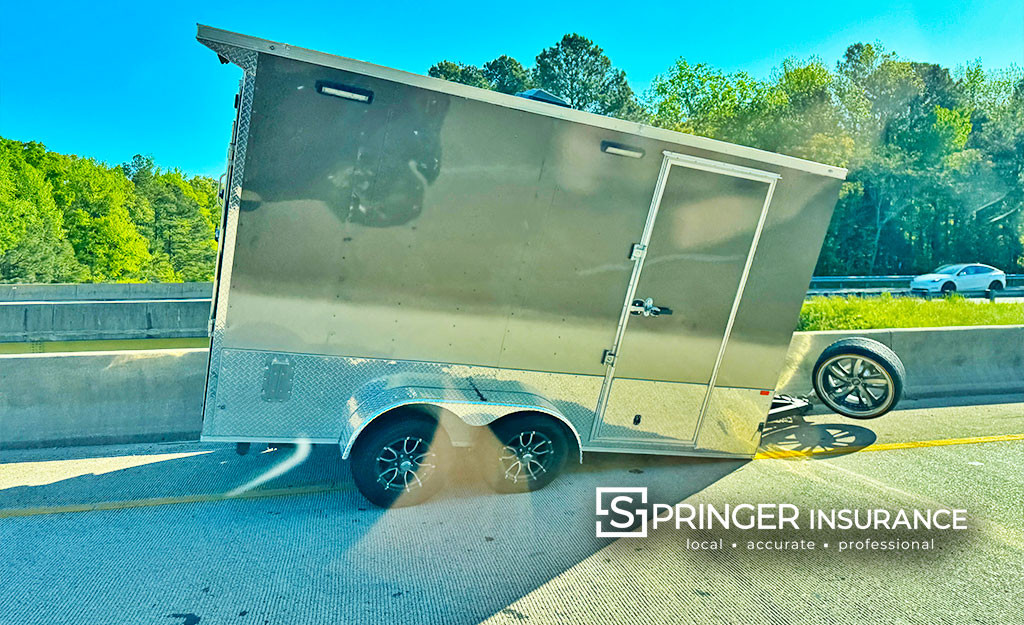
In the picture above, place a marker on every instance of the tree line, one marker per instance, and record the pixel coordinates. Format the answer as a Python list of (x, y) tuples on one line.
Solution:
[(66, 218), (936, 160), (936, 157)]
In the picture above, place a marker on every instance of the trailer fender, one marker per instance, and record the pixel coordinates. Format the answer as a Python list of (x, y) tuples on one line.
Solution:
[(473, 407)]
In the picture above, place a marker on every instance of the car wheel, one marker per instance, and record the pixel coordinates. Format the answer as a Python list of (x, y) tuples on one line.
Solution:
[(859, 378), (522, 452), (995, 286), (948, 288), (401, 462)]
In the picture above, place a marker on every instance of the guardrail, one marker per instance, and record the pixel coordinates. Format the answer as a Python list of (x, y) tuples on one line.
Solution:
[(852, 282), (203, 290), (37, 313), (105, 291)]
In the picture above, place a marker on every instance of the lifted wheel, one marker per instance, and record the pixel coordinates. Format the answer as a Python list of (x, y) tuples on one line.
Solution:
[(401, 462), (523, 452), (859, 378)]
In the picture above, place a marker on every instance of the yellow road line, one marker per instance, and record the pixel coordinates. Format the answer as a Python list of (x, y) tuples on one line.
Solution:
[(309, 490), (165, 501), (791, 453)]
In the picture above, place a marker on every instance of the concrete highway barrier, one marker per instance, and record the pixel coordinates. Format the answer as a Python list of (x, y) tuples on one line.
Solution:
[(157, 395), (98, 312), (89, 398), (968, 360), (23, 322)]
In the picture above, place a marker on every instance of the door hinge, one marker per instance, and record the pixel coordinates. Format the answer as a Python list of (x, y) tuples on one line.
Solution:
[(637, 252), (608, 358)]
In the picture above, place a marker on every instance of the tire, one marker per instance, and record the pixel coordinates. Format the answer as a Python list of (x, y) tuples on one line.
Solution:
[(402, 461), (995, 286), (538, 439), (859, 378), (948, 288)]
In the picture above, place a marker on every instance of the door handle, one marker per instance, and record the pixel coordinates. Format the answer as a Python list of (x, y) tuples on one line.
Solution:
[(647, 308)]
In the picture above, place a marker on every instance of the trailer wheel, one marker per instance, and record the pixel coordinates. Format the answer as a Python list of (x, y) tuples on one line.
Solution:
[(523, 452), (402, 461), (859, 378)]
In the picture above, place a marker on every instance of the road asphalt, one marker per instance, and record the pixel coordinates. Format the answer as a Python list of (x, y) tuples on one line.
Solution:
[(146, 534)]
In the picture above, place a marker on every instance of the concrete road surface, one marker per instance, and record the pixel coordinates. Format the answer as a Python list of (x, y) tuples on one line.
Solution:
[(145, 534)]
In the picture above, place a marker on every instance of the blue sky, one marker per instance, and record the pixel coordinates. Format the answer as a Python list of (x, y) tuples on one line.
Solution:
[(113, 79)]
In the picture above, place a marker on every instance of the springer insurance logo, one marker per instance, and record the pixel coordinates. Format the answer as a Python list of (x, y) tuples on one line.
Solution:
[(624, 512), (621, 512)]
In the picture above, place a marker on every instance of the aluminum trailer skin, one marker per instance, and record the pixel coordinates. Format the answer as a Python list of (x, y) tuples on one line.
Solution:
[(391, 240)]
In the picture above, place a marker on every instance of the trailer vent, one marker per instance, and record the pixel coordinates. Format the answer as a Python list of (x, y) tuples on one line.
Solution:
[(543, 96), (618, 149), (347, 92)]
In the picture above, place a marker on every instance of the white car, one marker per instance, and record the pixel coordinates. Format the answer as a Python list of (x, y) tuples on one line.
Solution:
[(965, 277)]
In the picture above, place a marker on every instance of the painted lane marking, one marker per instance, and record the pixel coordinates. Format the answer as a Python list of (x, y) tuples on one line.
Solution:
[(790, 453), (166, 501), (311, 490)]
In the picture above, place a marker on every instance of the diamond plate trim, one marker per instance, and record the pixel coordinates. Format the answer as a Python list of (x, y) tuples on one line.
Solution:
[(333, 397), (248, 61), (242, 57)]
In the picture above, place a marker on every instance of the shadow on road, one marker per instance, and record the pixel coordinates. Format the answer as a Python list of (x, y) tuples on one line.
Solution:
[(793, 435), (461, 557)]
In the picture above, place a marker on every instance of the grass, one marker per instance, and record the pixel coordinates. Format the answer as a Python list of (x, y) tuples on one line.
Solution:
[(886, 311)]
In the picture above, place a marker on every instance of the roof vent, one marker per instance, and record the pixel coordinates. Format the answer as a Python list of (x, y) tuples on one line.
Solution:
[(543, 96)]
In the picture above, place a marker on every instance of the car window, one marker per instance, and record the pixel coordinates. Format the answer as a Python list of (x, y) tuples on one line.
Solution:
[(947, 269)]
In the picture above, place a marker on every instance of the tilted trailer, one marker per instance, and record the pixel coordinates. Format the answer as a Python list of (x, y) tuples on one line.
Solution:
[(409, 265)]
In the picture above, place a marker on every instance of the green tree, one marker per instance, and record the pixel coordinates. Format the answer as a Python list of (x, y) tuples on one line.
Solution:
[(574, 69), (999, 139), (699, 99), (577, 70), (94, 199), (33, 247), (461, 73), (66, 218), (935, 161), (178, 220), (507, 75)]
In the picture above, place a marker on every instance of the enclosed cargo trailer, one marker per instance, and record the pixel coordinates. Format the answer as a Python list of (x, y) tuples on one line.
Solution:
[(406, 260)]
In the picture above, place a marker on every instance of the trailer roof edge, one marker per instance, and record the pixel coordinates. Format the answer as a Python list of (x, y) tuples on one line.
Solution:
[(211, 34)]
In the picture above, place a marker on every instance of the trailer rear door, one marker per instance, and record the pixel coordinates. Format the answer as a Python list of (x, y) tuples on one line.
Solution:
[(699, 239)]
